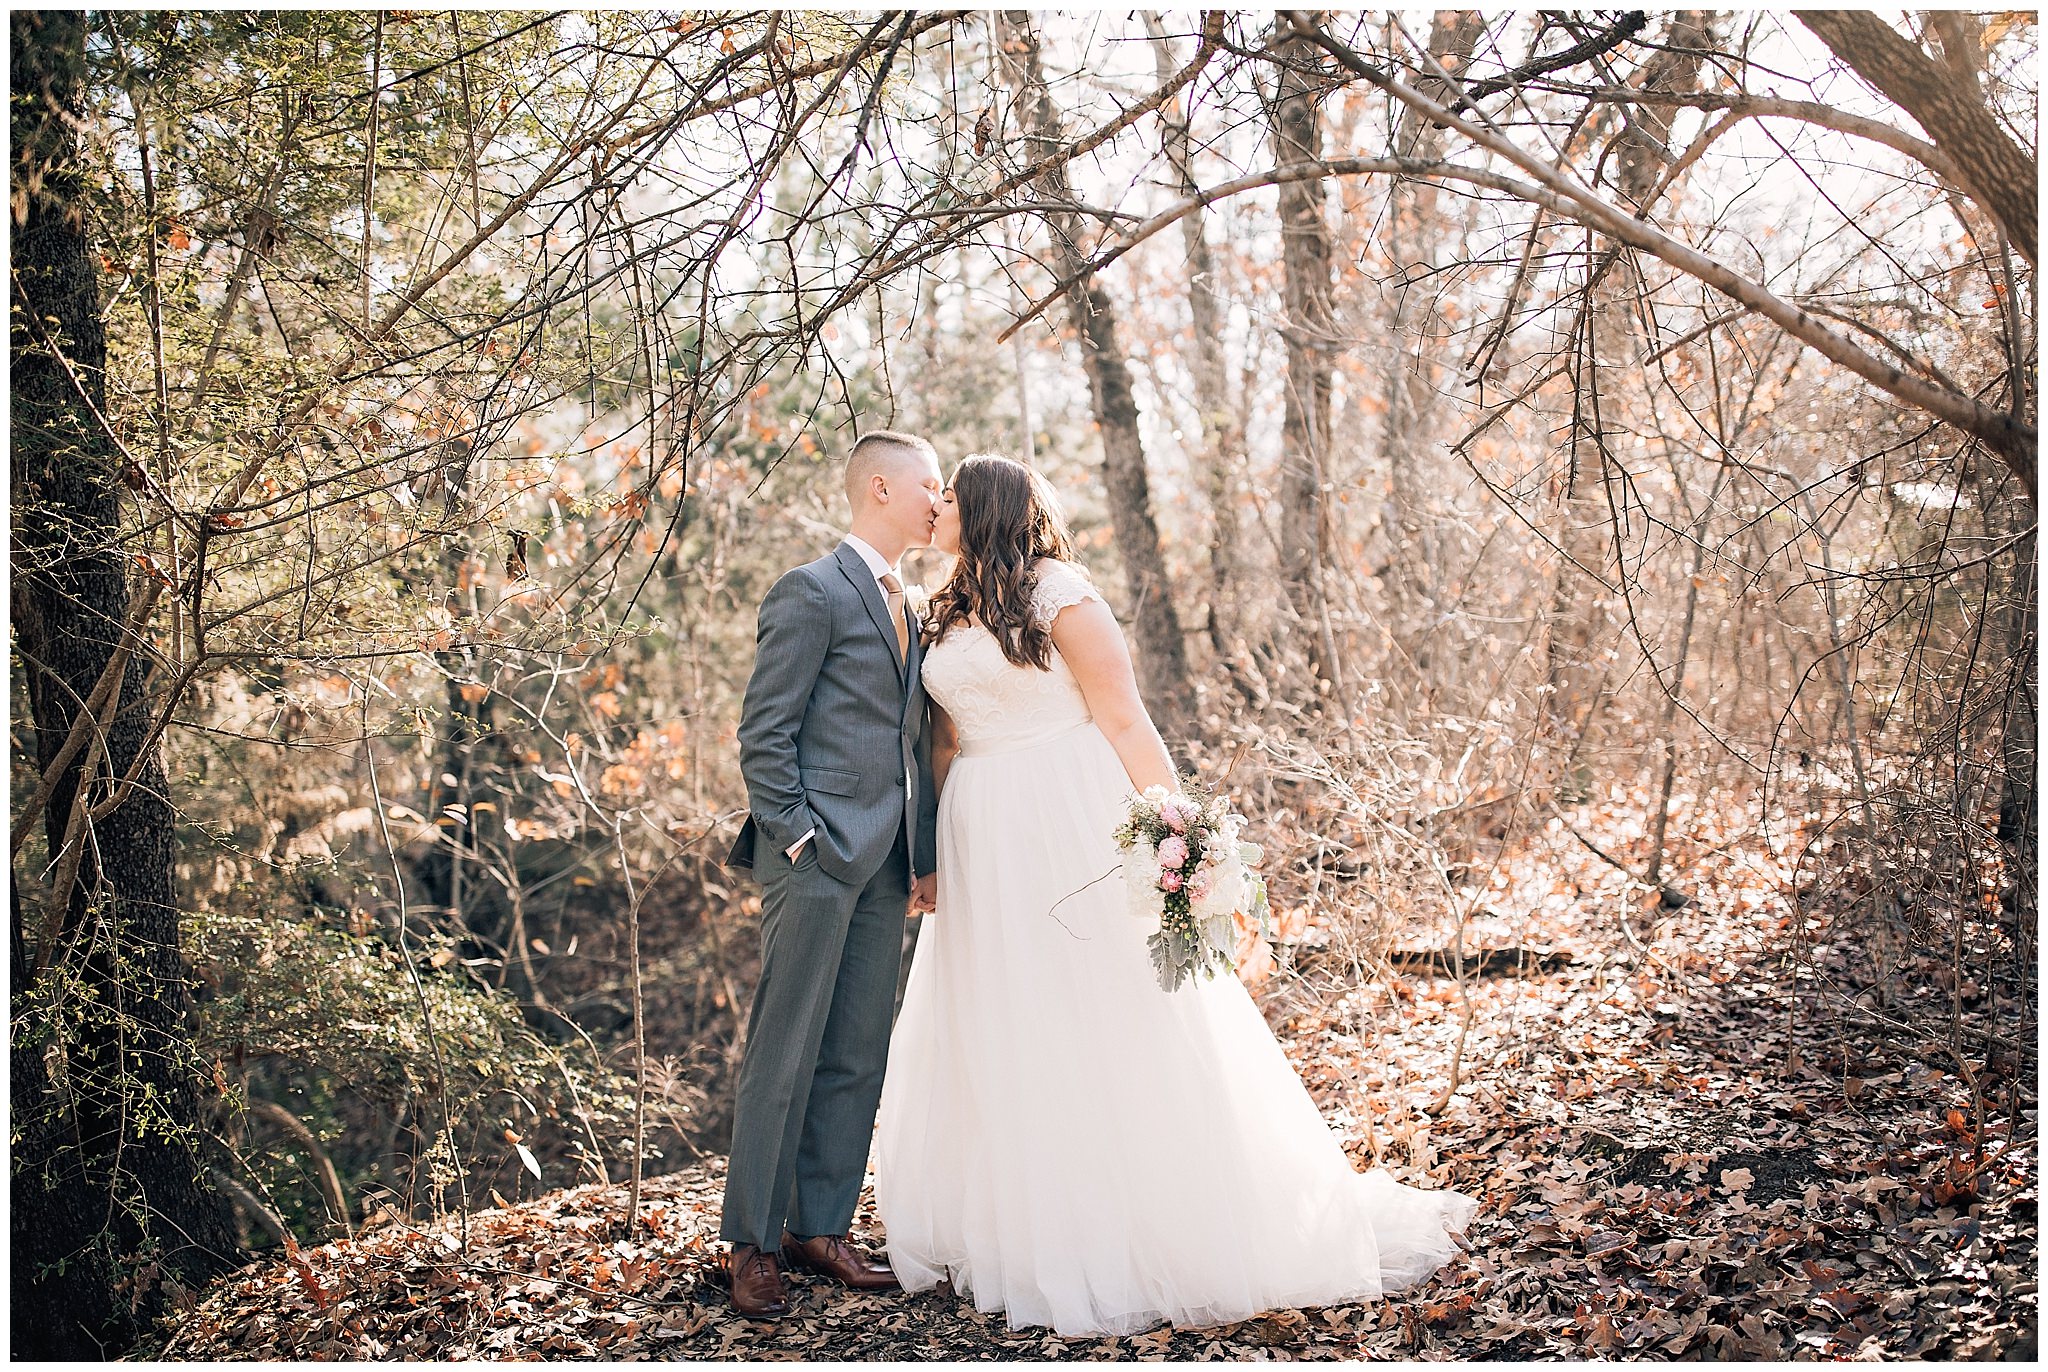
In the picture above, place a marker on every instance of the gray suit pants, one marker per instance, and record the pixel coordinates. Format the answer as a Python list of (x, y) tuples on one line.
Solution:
[(817, 1039)]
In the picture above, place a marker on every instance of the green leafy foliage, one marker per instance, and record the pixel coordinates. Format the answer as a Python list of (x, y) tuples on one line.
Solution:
[(334, 1026)]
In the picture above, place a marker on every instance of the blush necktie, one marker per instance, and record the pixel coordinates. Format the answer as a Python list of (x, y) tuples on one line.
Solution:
[(895, 590)]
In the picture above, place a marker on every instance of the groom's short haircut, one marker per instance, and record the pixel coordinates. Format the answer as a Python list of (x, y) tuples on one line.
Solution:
[(882, 450)]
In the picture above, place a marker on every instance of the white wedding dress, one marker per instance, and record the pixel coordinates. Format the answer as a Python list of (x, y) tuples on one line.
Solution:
[(1060, 1138)]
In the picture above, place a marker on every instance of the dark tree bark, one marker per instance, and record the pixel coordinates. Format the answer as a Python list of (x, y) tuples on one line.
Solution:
[(467, 749), (1162, 655), (110, 1209), (1945, 100), (1311, 333), (2019, 810)]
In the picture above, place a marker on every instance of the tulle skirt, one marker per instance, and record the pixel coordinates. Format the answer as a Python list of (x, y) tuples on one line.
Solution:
[(1069, 1144)]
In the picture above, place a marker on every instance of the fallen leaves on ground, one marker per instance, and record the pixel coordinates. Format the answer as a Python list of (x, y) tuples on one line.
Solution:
[(1674, 1164)]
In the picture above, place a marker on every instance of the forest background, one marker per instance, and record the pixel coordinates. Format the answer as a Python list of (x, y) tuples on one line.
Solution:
[(1570, 476)]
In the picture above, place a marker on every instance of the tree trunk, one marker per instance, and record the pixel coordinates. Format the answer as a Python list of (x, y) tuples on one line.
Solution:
[(1162, 656), (1583, 634), (1222, 422), (1945, 100), (1310, 333), (467, 749), (1414, 234), (2018, 803), (110, 1209)]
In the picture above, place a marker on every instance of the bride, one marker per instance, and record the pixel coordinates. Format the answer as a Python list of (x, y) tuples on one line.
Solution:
[(1058, 1137)]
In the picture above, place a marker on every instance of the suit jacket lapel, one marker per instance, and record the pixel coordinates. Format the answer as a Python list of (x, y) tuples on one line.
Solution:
[(856, 571), (916, 660)]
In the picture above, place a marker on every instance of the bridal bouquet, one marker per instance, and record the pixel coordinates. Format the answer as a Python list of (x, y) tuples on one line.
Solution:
[(1185, 869)]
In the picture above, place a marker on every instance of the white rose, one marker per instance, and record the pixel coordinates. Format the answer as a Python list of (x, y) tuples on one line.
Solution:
[(1227, 891)]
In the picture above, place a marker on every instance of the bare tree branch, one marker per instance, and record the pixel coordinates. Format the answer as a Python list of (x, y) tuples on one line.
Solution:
[(1999, 174), (2005, 434)]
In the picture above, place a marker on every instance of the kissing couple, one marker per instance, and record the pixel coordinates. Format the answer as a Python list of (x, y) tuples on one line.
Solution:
[(1058, 1137)]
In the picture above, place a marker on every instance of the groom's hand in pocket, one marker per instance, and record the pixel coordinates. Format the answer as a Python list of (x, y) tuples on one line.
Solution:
[(924, 894)]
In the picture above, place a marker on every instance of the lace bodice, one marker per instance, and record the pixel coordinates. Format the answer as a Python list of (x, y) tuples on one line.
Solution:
[(995, 705)]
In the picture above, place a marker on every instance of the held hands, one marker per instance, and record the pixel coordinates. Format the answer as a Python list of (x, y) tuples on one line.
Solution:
[(924, 894)]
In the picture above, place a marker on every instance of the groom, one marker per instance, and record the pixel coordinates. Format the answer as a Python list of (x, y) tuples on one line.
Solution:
[(841, 836)]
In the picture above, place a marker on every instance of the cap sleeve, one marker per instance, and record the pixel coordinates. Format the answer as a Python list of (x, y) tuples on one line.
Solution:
[(1060, 584)]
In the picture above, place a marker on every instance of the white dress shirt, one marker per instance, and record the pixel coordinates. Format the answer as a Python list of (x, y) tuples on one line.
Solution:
[(879, 565)]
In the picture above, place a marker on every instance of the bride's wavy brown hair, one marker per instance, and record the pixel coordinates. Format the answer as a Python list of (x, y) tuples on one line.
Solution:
[(1009, 518)]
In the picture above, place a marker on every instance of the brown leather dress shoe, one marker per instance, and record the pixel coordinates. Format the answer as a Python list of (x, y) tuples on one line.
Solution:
[(756, 1281), (830, 1255)]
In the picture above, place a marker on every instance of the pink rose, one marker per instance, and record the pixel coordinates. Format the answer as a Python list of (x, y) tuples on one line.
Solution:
[(1198, 885), (1173, 851), (1169, 881), (1175, 813)]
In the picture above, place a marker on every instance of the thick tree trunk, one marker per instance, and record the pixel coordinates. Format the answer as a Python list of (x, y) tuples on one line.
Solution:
[(1310, 333), (1583, 635), (445, 869), (1162, 656), (1222, 422), (1945, 100), (109, 1206), (1413, 236), (2019, 807), (1579, 649)]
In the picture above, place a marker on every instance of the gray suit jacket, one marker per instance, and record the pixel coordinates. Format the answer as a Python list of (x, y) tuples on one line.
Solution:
[(833, 734)]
